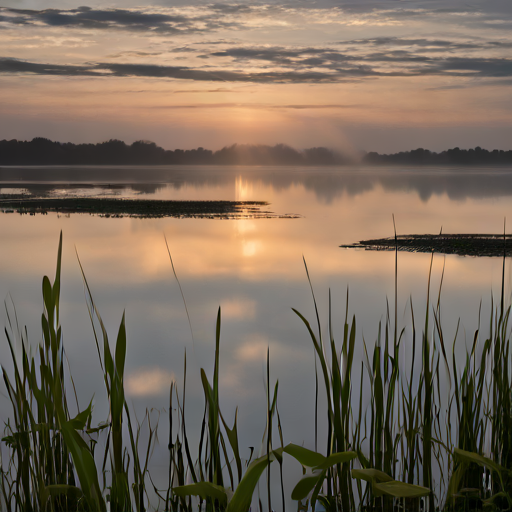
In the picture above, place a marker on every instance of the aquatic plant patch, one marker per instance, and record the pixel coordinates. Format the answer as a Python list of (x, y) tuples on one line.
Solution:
[(140, 208), (461, 244)]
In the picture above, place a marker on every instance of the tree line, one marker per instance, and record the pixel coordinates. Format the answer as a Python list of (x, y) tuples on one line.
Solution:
[(455, 156), (42, 151)]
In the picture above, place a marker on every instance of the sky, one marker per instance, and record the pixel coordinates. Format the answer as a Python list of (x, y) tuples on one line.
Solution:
[(381, 75)]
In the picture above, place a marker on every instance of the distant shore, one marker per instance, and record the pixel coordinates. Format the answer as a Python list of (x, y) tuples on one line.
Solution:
[(41, 151)]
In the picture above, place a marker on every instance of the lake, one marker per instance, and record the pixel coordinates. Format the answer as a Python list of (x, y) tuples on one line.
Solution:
[(252, 269)]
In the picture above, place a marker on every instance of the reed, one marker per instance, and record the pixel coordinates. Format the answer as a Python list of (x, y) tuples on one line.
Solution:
[(47, 448), (336, 372)]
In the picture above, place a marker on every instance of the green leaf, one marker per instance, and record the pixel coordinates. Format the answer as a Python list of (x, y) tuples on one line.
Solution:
[(496, 499), (47, 295), (307, 483), (56, 282), (57, 490), (455, 481), (233, 441), (121, 349), (204, 490), (469, 457), (328, 502), (107, 356), (277, 454), (99, 428), (337, 458), (401, 489), (10, 441), (80, 420), (84, 465), (362, 459), (306, 457), (371, 475), (241, 500)]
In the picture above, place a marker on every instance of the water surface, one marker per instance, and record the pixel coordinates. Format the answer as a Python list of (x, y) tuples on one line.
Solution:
[(252, 269)]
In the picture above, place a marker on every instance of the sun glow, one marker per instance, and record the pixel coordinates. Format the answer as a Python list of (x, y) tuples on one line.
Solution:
[(243, 189)]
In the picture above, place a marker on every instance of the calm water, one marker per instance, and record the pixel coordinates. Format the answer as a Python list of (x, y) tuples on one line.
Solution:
[(252, 269)]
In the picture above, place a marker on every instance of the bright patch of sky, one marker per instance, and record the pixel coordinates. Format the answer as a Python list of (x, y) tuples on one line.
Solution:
[(300, 73)]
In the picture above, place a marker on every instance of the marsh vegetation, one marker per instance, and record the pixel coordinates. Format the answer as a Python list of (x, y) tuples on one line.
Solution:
[(436, 435), (139, 208), (466, 244)]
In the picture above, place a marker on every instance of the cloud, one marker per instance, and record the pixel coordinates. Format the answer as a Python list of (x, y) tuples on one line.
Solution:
[(187, 19), (306, 107), (430, 44), (253, 349), (186, 73), (453, 66), (373, 64), (284, 56), (356, 60), (447, 87), (215, 43), (231, 8), (254, 106), (148, 381), (133, 53), (184, 49), (8, 65), (470, 67), (499, 82), (239, 309), (201, 106), (116, 19), (219, 89)]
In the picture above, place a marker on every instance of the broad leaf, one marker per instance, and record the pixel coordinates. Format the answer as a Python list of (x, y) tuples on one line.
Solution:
[(371, 475), (401, 489), (241, 500), (84, 466), (204, 490), (469, 457), (306, 457), (337, 458), (307, 483)]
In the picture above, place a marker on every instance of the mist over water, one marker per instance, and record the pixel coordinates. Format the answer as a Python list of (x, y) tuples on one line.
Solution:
[(326, 183), (253, 269)]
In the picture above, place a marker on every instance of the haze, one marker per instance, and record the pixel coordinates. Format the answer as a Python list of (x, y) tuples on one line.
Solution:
[(377, 76)]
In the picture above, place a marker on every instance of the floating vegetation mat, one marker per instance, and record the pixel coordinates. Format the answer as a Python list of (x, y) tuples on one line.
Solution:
[(140, 208), (463, 245)]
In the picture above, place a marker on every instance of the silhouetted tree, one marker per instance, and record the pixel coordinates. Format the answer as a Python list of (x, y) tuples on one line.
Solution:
[(42, 151)]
